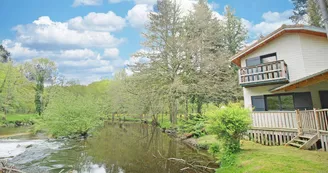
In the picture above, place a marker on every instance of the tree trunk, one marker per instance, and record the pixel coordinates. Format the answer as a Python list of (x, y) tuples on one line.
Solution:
[(187, 111), (324, 12)]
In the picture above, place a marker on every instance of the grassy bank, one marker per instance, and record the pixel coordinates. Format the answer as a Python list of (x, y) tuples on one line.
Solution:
[(257, 158), (18, 118)]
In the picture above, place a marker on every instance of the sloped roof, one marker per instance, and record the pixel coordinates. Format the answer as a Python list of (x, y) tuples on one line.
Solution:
[(303, 82), (275, 34)]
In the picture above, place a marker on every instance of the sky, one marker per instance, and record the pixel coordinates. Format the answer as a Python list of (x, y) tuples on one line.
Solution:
[(90, 40)]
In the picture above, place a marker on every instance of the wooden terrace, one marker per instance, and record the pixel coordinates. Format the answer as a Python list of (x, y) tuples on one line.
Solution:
[(303, 129)]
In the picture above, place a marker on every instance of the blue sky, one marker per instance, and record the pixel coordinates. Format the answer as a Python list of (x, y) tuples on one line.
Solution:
[(91, 39)]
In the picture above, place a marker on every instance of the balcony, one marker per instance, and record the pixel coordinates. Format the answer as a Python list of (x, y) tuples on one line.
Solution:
[(264, 74)]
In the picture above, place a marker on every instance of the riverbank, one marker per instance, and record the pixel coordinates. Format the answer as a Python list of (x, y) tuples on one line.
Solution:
[(257, 158), (18, 119)]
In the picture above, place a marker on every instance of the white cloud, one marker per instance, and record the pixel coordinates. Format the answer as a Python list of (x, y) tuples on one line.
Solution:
[(77, 54), (97, 22), (148, 2), (111, 53), (271, 21), (138, 15), (87, 2), (47, 34)]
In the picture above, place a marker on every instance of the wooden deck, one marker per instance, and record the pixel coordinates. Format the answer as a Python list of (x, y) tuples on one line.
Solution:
[(280, 128)]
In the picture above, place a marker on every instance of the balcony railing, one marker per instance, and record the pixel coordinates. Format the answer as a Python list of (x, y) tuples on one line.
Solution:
[(262, 74)]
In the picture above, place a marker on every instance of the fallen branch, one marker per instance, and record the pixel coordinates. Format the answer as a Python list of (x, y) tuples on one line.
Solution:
[(190, 165)]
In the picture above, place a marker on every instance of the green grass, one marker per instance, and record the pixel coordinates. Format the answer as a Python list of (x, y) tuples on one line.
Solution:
[(19, 117), (207, 140), (256, 158)]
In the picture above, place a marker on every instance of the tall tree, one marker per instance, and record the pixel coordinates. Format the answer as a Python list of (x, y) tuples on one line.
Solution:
[(41, 71), (164, 49), (300, 9), (308, 11), (4, 55), (235, 32)]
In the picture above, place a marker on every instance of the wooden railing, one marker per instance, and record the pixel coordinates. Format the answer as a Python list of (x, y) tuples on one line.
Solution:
[(308, 121), (271, 72), (275, 120), (322, 119)]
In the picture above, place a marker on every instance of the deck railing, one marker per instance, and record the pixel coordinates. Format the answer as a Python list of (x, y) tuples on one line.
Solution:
[(272, 72), (267, 119), (306, 121), (277, 128)]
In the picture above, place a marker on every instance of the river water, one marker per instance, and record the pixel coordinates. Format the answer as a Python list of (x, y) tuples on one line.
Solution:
[(115, 148)]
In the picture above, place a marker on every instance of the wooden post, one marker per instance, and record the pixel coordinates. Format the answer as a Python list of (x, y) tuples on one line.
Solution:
[(239, 74), (283, 70), (316, 116), (299, 122)]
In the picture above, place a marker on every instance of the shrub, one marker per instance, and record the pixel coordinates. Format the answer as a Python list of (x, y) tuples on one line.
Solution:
[(69, 113), (229, 123), (194, 125)]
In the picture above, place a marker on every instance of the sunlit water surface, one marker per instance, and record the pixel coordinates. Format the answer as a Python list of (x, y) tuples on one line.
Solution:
[(116, 148)]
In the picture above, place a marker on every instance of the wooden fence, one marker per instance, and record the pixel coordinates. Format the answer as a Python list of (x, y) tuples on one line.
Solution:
[(278, 128)]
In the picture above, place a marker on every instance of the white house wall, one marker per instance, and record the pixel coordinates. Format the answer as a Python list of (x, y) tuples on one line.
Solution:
[(315, 53), (288, 48), (304, 55)]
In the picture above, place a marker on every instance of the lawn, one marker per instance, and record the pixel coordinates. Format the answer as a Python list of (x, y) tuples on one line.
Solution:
[(264, 159), (256, 158)]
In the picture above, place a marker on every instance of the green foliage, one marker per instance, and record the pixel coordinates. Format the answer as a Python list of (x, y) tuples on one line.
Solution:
[(40, 70), (68, 113), (214, 149), (195, 125), (229, 123)]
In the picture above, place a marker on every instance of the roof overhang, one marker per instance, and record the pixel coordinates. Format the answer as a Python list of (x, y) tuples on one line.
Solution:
[(236, 59), (303, 82)]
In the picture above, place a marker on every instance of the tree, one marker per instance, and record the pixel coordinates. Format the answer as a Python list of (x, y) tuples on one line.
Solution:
[(300, 9), (15, 90), (164, 38), (4, 55), (235, 32), (210, 43), (40, 71), (308, 11)]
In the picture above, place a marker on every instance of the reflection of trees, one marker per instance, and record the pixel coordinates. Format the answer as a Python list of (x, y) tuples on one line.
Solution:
[(135, 148)]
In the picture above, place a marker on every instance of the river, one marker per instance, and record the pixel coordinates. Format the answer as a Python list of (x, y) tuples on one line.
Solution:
[(115, 148)]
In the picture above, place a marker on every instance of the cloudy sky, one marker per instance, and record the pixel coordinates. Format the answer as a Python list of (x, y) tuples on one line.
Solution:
[(91, 39)]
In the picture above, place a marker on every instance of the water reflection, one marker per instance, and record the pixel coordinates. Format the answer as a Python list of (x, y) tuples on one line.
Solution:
[(139, 148), (116, 148)]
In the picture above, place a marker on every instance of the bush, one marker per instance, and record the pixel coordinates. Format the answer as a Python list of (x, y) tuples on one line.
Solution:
[(69, 113), (229, 123), (194, 125)]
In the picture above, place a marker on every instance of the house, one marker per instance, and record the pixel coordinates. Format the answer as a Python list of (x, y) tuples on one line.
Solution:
[(285, 82)]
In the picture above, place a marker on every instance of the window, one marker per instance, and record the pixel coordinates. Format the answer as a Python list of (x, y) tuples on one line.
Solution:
[(269, 58), (283, 102), (273, 103), (261, 59), (253, 61), (303, 101), (258, 103)]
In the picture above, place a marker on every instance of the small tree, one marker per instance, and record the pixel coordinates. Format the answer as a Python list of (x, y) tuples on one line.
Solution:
[(41, 71), (229, 123), (69, 113)]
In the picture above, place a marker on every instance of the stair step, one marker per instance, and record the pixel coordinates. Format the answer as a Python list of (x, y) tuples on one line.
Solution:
[(300, 140), (306, 137), (295, 144)]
